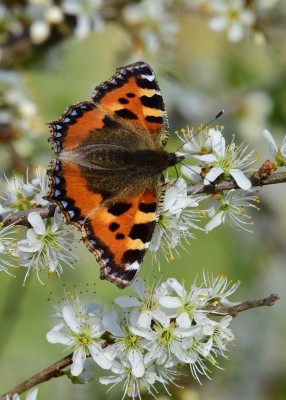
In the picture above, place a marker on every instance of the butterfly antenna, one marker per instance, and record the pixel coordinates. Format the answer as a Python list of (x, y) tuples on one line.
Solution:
[(202, 128)]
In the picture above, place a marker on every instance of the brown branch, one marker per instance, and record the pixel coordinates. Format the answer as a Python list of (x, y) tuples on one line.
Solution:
[(245, 305), (228, 184), (55, 370), (20, 218)]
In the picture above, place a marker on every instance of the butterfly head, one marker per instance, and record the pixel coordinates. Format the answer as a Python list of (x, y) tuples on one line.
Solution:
[(174, 158)]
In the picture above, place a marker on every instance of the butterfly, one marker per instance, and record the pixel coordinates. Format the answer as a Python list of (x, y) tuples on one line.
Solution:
[(107, 180)]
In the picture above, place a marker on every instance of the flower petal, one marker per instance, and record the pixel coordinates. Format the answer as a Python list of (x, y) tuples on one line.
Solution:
[(127, 301), (78, 359), (273, 148), (137, 363), (99, 357), (215, 221), (37, 223), (32, 394), (70, 319), (212, 175), (239, 177)]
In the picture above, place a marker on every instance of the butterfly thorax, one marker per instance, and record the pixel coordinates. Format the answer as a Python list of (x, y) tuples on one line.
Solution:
[(117, 158)]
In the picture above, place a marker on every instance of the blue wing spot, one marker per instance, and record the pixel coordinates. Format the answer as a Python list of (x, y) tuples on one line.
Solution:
[(57, 193), (64, 203), (74, 113), (71, 213)]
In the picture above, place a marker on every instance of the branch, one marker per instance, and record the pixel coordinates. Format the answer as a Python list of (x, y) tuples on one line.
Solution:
[(21, 217), (55, 370), (228, 184), (246, 305)]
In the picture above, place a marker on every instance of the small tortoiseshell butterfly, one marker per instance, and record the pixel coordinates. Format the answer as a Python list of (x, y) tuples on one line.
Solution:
[(108, 180)]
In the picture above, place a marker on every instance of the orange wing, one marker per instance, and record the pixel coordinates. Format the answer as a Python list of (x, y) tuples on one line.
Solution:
[(134, 94), (118, 234)]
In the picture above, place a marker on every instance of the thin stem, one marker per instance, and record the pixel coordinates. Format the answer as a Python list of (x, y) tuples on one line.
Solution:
[(53, 371), (20, 218)]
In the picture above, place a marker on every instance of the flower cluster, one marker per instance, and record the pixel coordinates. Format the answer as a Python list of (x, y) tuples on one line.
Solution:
[(20, 194), (18, 113), (217, 159), (153, 22), (178, 216), (220, 161), (47, 244), (146, 337)]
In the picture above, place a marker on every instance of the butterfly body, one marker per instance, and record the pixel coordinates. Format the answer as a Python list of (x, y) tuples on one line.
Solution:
[(108, 179)]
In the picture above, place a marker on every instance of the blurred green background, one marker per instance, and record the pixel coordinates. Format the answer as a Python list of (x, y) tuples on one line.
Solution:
[(202, 74)]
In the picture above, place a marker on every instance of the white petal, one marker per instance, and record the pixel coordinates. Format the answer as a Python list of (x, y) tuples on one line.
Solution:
[(170, 302), (144, 319), (111, 325), (218, 142), (78, 359), (207, 158), (239, 177), (99, 357), (175, 285), (273, 148), (58, 337), (215, 221), (32, 394), (235, 32), (127, 301), (70, 319), (136, 361), (212, 175), (138, 287), (183, 321), (182, 355), (160, 316), (191, 172), (217, 24), (37, 223)]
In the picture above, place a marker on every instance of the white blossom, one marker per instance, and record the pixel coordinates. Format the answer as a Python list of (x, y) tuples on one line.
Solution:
[(81, 333), (8, 248), (179, 214), (147, 306), (232, 16), (232, 208), (20, 194), (221, 160), (278, 152), (141, 353), (47, 246)]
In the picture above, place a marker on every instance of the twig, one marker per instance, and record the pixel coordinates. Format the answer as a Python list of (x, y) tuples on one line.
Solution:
[(55, 370), (20, 218), (228, 184), (246, 305)]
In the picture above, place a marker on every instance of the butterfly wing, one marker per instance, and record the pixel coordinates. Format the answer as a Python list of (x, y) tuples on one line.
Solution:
[(115, 210)]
